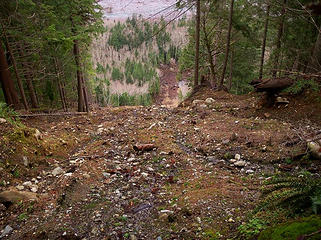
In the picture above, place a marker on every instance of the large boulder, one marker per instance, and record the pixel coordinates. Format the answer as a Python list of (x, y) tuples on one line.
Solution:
[(8, 198)]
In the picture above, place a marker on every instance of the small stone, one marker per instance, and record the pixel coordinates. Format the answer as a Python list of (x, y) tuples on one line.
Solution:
[(27, 184), (159, 238), (240, 164), (25, 161), (100, 130), (2, 120), (209, 100), (197, 102), (37, 135), (237, 157), (233, 160), (6, 231), (57, 171), (20, 188), (34, 189), (231, 220), (203, 106), (249, 171), (106, 174)]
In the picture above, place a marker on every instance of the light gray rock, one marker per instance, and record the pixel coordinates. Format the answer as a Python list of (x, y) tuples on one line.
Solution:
[(237, 157), (25, 161), (34, 189), (57, 171), (27, 184), (240, 163), (20, 187), (249, 171), (6, 231)]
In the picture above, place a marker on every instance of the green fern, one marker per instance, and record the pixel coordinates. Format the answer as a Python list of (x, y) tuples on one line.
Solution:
[(8, 113), (297, 192)]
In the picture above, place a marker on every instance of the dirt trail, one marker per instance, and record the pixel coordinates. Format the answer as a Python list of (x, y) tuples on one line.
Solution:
[(168, 95), (188, 187)]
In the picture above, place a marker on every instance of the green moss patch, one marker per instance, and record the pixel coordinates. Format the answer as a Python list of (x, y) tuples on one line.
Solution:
[(294, 229)]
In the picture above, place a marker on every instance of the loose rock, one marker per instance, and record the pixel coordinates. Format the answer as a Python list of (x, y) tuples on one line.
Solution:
[(2, 120), (57, 171), (6, 231), (240, 163)]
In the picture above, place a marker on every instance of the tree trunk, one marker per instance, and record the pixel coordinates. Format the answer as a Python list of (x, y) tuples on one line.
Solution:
[(14, 64), (231, 71), (81, 103), (227, 44), (264, 40), (28, 77), (209, 54), (197, 42), (315, 63), (7, 83), (59, 86), (279, 41)]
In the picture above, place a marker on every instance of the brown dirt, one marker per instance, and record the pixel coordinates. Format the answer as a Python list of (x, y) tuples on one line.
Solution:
[(168, 94), (184, 189)]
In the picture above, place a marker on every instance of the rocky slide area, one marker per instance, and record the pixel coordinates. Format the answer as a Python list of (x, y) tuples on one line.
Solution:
[(191, 172)]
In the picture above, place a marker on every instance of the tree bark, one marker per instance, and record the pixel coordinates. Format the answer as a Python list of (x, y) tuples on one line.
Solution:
[(59, 86), (209, 54), (264, 39), (81, 103), (315, 63), (231, 71), (227, 45), (197, 42), (279, 41), (7, 83), (28, 77), (14, 64)]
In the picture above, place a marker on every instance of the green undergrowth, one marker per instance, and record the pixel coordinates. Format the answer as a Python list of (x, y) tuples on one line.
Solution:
[(9, 114), (285, 198)]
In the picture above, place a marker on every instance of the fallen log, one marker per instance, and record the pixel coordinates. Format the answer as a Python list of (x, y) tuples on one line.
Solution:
[(144, 147)]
